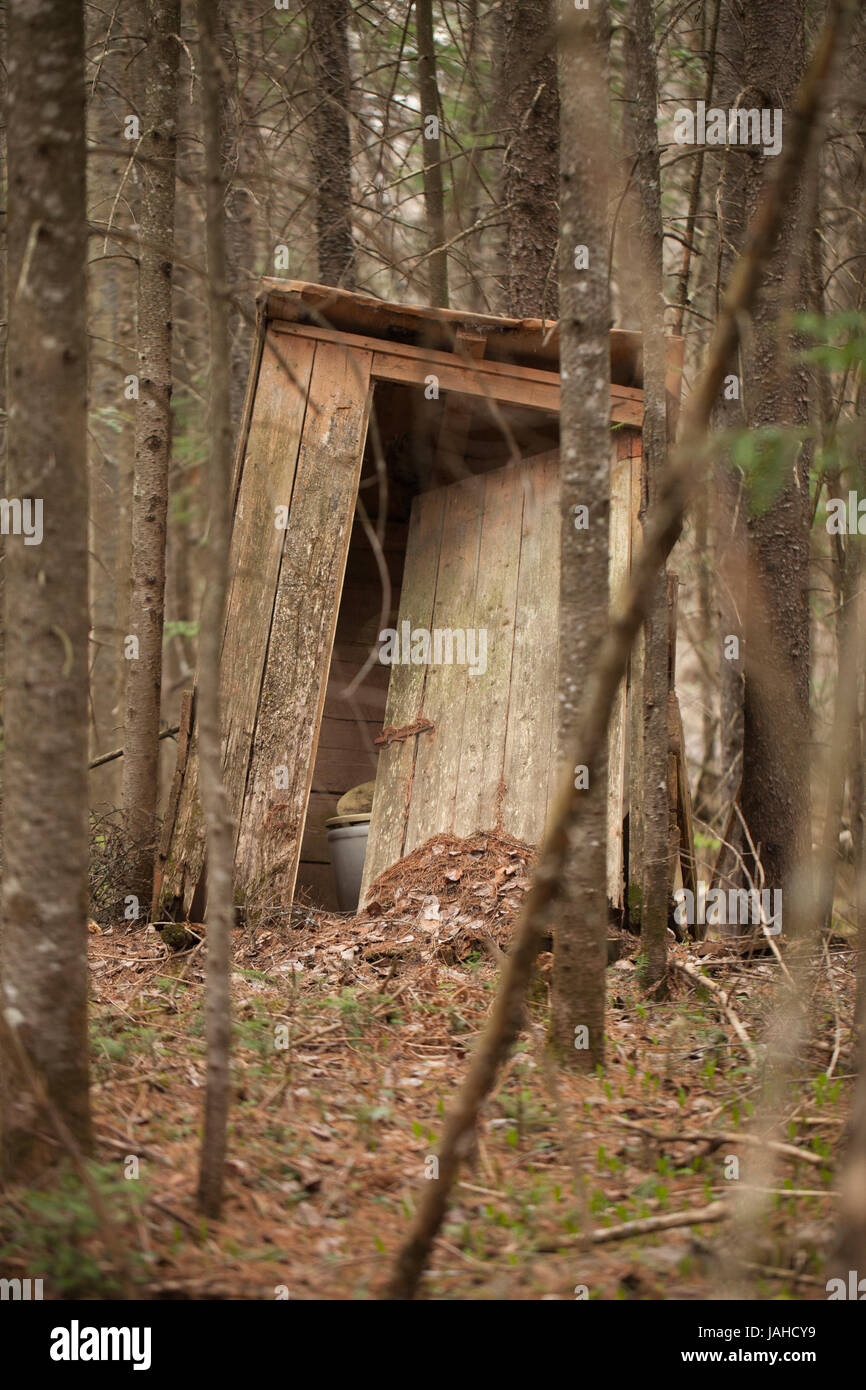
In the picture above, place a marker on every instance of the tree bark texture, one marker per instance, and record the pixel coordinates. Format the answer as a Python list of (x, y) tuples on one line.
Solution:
[(152, 441), (432, 153), (529, 90), (220, 906), (332, 147), (44, 941), (580, 956), (651, 690), (775, 791)]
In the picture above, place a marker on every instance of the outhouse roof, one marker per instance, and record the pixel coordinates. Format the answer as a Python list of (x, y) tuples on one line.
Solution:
[(527, 342)]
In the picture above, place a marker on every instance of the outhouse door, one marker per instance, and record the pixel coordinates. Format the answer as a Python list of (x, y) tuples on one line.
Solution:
[(475, 654)]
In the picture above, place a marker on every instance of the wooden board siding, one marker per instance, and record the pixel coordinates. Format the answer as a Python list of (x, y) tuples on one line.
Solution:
[(491, 761), (437, 763), (530, 734), (266, 477), (303, 623), (487, 698), (488, 762)]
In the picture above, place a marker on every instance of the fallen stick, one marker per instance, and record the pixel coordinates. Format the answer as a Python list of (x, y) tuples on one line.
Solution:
[(643, 1226), (728, 1136), (663, 528), (717, 992)]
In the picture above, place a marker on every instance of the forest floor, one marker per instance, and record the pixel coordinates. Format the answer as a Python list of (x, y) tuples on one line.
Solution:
[(350, 1037)]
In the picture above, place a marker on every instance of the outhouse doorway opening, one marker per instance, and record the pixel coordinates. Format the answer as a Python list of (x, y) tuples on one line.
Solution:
[(422, 443)]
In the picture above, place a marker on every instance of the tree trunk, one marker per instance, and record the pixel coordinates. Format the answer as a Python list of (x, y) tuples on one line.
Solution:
[(239, 159), (45, 806), (434, 196), (112, 350), (152, 441), (775, 792), (580, 956), (652, 687), (4, 186), (728, 532), (332, 148), (530, 188), (220, 908)]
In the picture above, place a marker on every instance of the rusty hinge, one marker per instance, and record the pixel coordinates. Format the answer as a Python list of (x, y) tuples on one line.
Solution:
[(392, 735)]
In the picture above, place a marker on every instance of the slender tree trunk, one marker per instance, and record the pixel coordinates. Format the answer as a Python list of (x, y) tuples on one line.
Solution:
[(152, 441), (728, 532), (530, 186), (332, 147), (239, 158), (111, 297), (220, 909), (652, 687), (4, 324), (858, 748), (850, 1252), (580, 956), (690, 228), (44, 941), (705, 794), (434, 196)]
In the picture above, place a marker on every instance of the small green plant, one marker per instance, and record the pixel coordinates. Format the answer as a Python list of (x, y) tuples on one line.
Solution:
[(62, 1232)]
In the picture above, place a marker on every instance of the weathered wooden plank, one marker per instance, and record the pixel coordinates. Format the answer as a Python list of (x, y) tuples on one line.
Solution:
[(480, 790), (259, 341), (488, 379), (470, 381), (406, 690), (434, 355), (437, 762), (266, 480), (304, 621), (531, 729), (257, 549)]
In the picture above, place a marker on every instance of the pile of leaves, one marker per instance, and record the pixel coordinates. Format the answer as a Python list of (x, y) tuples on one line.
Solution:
[(451, 896)]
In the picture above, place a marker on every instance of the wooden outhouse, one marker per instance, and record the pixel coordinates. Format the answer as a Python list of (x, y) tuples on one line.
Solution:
[(397, 472)]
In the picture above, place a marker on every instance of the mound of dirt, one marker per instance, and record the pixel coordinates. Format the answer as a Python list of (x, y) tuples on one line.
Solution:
[(453, 895)]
